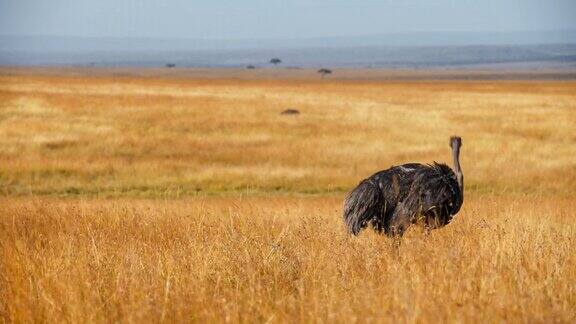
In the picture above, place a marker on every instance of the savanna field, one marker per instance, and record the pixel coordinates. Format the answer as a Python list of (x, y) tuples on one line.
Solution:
[(132, 198)]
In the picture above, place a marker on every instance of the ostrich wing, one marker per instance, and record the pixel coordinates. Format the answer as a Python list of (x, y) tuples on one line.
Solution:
[(375, 198)]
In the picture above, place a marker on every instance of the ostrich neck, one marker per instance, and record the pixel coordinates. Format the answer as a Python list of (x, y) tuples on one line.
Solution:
[(457, 170)]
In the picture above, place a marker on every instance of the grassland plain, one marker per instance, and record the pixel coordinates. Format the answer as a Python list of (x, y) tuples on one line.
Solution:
[(170, 199)]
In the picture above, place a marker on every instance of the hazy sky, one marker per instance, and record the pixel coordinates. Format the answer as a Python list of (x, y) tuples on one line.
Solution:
[(255, 19)]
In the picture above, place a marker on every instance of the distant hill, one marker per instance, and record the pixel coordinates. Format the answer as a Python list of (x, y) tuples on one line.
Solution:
[(72, 43), (391, 50)]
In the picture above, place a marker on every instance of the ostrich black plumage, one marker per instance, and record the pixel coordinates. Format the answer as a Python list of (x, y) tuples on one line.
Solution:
[(392, 199)]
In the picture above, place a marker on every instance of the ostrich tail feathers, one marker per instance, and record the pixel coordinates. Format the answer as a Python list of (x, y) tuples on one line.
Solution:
[(361, 205)]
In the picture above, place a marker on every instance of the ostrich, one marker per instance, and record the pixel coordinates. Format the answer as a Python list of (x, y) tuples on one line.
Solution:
[(392, 199)]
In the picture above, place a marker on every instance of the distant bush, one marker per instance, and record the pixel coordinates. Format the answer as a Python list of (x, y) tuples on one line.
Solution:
[(324, 72), (290, 111)]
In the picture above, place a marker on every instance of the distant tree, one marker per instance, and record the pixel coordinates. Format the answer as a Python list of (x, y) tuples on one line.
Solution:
[(250, 67), (324, 72), (275, 61), (170, 65)]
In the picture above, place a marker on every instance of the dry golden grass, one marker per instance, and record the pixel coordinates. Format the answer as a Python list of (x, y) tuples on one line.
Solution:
[(282, 259), (157, 138), (157, 199)]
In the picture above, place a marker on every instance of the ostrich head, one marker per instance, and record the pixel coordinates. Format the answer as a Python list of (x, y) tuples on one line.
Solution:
[(455, 144)]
